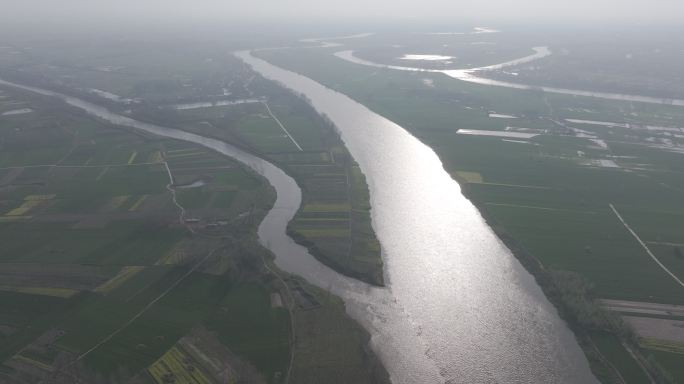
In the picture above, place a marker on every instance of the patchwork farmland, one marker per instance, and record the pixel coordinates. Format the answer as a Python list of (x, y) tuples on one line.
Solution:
[(134, 258)]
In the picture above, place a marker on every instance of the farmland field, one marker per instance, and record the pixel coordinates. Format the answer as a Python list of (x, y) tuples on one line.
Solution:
[(104, 276), (283, 128)]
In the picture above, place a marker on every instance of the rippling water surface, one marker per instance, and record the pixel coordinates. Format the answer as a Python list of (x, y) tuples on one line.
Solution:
[(459, 307)]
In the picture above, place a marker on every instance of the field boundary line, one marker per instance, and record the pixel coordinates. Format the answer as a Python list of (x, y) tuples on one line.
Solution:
[(148, 306), (282, 126), (638, 361), (645, 247)]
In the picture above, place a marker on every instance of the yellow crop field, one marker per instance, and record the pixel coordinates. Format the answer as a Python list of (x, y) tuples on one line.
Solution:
[(325, 232), (178, 365), (39, 197), (186, 154), (43, 291), (24, 208), (320, 207), (124, 275), (6, 219), (117, 201), (174, 256), (662, 345), (132, 158), (34, 363), (329, 174), (471, 177)]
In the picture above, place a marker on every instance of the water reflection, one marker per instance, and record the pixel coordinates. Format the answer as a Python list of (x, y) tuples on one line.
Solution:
[(458, 304), (459, 307)]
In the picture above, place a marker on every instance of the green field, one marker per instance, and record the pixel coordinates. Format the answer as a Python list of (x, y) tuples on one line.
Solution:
[(341, 238), (260, 333), (612, 350), (78, 219)]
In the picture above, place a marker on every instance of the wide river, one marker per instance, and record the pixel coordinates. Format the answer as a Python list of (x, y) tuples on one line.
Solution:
[(459, 308)]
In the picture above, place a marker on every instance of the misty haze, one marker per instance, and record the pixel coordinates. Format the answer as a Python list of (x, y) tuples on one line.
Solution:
[(305, 192)]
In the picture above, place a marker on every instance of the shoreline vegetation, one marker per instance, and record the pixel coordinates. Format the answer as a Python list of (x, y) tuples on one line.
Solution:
[(576, 303)]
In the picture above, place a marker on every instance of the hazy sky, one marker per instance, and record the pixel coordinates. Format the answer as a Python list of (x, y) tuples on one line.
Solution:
[(342, 10)]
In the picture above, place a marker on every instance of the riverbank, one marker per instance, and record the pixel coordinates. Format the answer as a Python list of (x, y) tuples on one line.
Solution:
[(333, 221)]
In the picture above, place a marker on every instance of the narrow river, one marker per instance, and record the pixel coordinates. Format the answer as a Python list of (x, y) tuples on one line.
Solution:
[(459, 308), (471, 75)]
